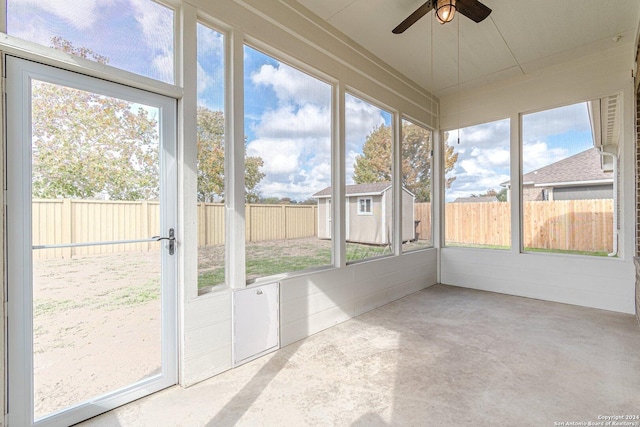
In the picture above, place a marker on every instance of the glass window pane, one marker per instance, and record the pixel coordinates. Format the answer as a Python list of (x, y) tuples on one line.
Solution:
[(211, 154), (416, 181), (477, 208), (134, 35), (287, 168), (567, 186), (368, 174)]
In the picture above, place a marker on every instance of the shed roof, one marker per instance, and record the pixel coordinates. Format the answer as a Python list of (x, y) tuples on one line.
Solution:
[(374, 188), (585, 166), (358, 189)]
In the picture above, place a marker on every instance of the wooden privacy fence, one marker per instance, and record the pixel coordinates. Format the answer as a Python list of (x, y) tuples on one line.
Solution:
[(263, 222), (63, 221), (422, 213), (478, 223), (581, 225), (577, 225)]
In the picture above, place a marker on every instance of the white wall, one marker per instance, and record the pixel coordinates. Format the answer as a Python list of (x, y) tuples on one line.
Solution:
[(604, 283), (311, 303)]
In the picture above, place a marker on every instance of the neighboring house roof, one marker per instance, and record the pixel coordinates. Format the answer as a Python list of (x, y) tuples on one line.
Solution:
[(372, 189), (476, 199), (580, 169)]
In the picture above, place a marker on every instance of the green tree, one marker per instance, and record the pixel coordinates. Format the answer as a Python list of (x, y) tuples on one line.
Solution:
[(210, 135), (87, 145), (374, 164), (450, 159), (252, 177), (59, 43), (210, 140), (500, 195)]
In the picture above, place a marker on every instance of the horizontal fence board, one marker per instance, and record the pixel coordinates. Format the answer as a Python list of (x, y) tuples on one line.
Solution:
[(581, 225)]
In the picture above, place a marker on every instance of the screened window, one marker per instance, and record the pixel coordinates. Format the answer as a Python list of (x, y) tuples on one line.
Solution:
[(567, 183), (287, 168), (416, 186), (134, 35), (368, 174), (211, 155), (364, 206), (477, 165)]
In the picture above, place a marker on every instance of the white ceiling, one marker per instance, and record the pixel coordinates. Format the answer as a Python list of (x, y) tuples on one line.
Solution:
[(518, 37)]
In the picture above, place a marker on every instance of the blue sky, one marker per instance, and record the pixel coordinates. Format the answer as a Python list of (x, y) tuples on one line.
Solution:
[(484, 150), (136, 35), (287, 112)]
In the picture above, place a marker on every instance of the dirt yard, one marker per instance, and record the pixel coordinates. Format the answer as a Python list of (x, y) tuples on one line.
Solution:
[(96, 326), (97, 317)]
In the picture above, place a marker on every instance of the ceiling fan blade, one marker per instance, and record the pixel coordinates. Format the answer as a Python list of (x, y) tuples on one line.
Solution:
[(413, 18), (473, 9)]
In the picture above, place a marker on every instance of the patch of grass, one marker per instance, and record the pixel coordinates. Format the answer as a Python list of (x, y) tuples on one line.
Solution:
[(476, 246), (122, 297), (211, 278), (265, 259), (134, 295), (539, 250), (569, 252), (49, 306), (270, 262), (357, 252)]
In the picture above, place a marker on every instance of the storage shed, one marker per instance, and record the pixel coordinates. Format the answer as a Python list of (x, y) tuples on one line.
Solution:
[(368, 213)]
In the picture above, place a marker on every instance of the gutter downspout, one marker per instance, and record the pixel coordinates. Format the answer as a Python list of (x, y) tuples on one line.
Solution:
[(615, 202)]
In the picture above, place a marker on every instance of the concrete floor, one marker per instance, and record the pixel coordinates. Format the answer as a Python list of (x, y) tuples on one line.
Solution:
[(441, 357)]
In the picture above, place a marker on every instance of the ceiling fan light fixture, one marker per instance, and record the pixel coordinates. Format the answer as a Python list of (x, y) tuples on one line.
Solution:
[(445, 10)]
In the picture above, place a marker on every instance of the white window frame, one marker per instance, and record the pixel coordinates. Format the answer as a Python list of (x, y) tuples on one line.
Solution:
[(364, 199)]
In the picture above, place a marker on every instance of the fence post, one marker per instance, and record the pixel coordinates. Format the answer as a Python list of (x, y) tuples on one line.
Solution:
[(315, 220), (284, 221), (247, 225), (144, 214), (67, 225)]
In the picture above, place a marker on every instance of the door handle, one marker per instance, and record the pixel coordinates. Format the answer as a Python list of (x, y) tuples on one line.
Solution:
[(171, 239)]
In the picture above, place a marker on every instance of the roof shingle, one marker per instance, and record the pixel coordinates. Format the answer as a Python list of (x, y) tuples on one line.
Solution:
[(371, 188), (584, 166)]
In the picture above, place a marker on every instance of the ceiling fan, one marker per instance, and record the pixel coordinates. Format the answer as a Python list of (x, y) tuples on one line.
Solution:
[(445, 9)]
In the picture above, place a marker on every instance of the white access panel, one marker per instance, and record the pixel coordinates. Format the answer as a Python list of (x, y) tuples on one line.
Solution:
[(256, 322)]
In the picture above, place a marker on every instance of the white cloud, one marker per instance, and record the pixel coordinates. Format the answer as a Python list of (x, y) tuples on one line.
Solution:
[(292, 86), (467, 184), (31, 29), (361, 119), (309, 121), (485, 135), (280, 156), (293, 168), (156, 22), (537, 154), (163, 64), (294, 138), (204, 80), (483, 159), (498, 157), (210, 42), (81, 14)]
